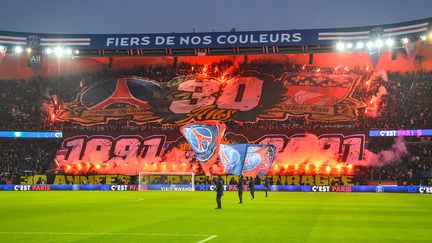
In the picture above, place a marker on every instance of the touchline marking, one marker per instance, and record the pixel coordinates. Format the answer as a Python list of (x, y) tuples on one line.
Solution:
[(105, 233), (207, 239)]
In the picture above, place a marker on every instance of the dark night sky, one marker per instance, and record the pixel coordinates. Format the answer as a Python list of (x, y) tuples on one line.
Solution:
[(143, 16)]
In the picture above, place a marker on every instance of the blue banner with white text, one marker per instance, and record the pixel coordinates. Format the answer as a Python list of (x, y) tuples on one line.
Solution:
[(231, 39)]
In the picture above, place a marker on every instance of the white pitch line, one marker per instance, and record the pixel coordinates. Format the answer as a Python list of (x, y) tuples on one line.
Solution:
[(105, 233), (207, 239)]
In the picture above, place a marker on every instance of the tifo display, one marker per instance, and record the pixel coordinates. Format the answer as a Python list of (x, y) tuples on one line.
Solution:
[(352, 112)]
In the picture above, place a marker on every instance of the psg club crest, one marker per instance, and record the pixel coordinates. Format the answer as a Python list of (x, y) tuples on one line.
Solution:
[(33, 40), (259, 159), (229, 157), (116, 98), (253, 158), (204, 139), (376, 33), (232, 157), (247, 159), (201, 140)]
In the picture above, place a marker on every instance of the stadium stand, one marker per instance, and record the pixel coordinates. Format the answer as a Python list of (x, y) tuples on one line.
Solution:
[(406, 106), (378, 81)]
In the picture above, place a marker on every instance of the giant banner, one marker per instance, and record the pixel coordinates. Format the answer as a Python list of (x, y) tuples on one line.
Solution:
[(276, 38), (248, 97), (327, 152), (153, 179)]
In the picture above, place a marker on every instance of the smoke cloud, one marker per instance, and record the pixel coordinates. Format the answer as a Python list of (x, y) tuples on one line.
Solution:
[(375, 102), (310, 155), (393, 155)]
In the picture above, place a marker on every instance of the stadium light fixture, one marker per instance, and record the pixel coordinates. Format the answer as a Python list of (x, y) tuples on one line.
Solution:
[(349, 45), (359, 45), (379, 43), (370, 44), (340, 46), (430, 35), (48, 51), (58, 51), (28, 50), (18, 49), (405, 40), (76, 52), (68, 51), (389, 43)]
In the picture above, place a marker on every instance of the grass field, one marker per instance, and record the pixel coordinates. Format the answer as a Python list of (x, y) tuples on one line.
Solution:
[(155, 216)]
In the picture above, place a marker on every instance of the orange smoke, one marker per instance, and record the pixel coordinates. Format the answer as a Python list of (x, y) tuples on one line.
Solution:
[(174, 160), (305, 155)]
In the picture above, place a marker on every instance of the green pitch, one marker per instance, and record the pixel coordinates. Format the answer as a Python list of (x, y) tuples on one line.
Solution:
[(155, 216)]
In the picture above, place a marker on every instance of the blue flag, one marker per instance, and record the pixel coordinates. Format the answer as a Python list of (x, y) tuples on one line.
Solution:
[(258, 158), (247, 159), (204, 138), (232, 157), (268, 161)]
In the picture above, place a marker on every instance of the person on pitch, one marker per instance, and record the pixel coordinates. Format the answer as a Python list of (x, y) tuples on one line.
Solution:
[(266, 186), (219, 191), (252, 187), (240, 189)]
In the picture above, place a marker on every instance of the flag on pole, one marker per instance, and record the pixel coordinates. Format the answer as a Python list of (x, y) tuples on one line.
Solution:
[(374, 57), (232, 157), (204, 138), (268, 161), (411, 49), (258, 157)]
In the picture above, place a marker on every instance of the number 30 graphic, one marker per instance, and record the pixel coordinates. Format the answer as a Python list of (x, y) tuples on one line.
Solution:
[(240, 93)]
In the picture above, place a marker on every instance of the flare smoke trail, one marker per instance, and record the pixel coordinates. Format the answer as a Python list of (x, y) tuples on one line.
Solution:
[(375, 102)]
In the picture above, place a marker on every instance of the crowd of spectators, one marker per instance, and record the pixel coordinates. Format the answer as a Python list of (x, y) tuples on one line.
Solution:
[(26, 157), (406, 105), (414, 168)]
